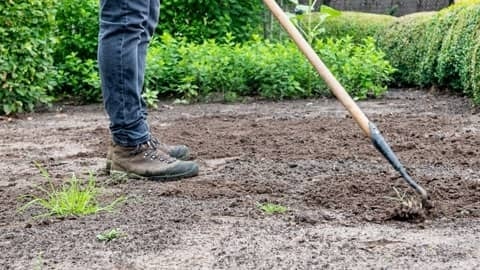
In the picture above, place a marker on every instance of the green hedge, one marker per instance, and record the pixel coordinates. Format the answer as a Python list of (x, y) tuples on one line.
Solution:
[(435, 31), (428, 48), (402, 40), (26, 47), (356, 24), (439, 49), (456, 63)]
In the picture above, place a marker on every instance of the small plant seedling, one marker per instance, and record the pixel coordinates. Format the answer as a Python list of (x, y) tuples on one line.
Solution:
[(71, 199), (271, 208), (110, 235)]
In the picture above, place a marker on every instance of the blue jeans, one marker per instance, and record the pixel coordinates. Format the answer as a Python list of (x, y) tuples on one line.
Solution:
[(126, 27)]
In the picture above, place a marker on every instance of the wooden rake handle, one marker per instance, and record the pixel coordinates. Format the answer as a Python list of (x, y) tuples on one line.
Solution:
[(337, 89)]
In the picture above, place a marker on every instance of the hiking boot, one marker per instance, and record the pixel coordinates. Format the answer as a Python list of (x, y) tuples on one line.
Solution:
[(180, 152), (176, 151), (147, 161)]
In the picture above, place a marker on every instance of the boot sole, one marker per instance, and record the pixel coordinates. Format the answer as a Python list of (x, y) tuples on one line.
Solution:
[(162, 178), (108, 165)]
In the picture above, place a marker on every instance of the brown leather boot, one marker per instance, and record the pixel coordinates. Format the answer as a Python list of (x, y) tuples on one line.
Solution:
[(147, 161), (180, 152), (176, 151)]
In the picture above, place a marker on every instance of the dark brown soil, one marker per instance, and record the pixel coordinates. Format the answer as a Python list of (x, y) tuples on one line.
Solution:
[(347, 208)]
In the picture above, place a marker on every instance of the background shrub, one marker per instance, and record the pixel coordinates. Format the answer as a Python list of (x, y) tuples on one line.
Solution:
[(473, 73), (176, 67), (360, 67), (271, 70), (434, 34), (77, 28), (439, 49), (78, 78), (76, 52), (466, 2), (198, 20), (358, 25), (456, 52), (56, 55), (403, 42), (280, 71), (26, 65)]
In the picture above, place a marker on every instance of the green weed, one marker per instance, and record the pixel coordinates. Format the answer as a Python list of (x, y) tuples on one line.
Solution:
[(110, 235), (271, 208), (70, 199)]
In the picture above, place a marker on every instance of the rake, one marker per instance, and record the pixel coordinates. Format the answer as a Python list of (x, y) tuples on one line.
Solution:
[(339, 92)]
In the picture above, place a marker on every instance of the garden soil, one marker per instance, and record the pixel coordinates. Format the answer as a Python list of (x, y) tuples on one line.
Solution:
[(347, 208)]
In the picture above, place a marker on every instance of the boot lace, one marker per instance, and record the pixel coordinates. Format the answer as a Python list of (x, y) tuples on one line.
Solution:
[(150, 151)]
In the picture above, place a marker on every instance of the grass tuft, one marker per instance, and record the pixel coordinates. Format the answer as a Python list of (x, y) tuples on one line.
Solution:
[(271, 208), (70, 199)]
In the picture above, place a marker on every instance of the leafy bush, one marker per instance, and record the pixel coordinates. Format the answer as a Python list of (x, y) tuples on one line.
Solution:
[(271, 70), (280, 71), (26, 67), (470, 67), (77, 25), (76, 52), (455, 55), (79, 78), (439, 49), (361, 68), (176, 67), (473, 72), (403, 42), (199, 20), (77, 20), (358, 25), (434, 34)]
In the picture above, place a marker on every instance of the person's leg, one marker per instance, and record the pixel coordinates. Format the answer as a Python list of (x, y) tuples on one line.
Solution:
[(122, 23), (177, 151), (123, 39), (149, 25)]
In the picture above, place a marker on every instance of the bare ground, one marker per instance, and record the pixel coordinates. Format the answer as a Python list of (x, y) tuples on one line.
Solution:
[(307, 155)]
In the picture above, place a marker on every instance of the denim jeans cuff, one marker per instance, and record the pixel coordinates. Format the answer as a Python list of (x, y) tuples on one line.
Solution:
[(127, 142)]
